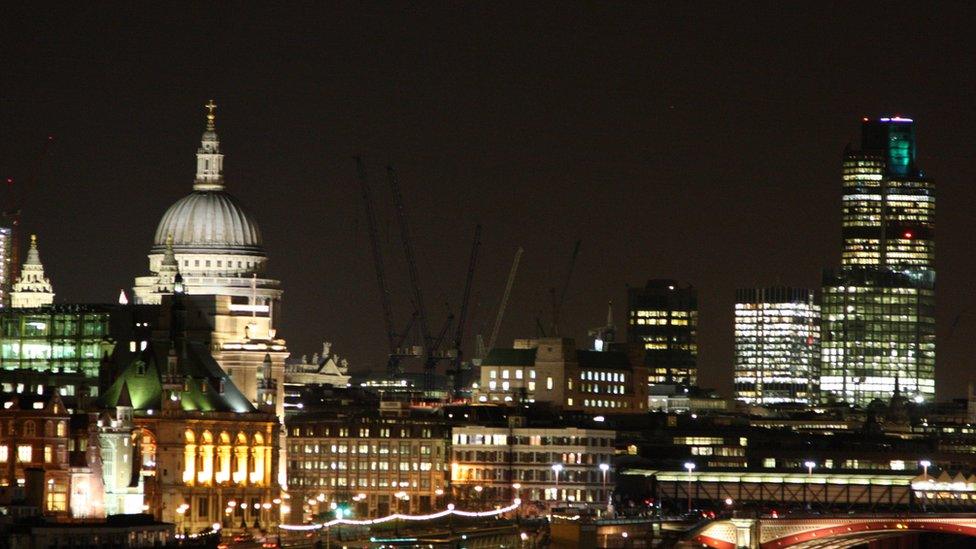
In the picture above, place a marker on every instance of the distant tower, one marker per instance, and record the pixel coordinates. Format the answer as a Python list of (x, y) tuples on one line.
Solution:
[(267, 387), (879, 307), (33, 289), (6, 265), (169, 269), (606, 335), (662, 317)]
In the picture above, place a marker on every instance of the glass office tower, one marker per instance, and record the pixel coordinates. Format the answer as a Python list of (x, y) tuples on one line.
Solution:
[(777, 346), (878, 308)]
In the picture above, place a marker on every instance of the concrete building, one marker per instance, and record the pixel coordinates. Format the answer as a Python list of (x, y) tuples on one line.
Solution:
[(34, 451), (327, 368), (553, 370), (546, 466), (368, 461)]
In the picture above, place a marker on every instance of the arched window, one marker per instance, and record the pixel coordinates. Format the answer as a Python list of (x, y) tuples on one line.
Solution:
[(206, 457), (189, 457), (239, 474), (49, 428), (223, 458), (62, 429)]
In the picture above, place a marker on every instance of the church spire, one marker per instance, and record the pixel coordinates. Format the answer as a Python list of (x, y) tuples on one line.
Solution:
[(32, 289), (169, 269), (210, 163)]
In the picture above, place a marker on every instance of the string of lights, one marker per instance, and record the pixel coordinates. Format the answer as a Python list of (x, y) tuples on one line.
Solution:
[(367, 522)]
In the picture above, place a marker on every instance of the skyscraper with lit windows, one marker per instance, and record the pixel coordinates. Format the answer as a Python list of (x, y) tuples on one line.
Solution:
[(878, 308), (662, 317), (777, 346)]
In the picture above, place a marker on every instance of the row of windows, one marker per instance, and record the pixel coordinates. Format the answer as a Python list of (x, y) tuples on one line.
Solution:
[(29, 428), (362, 432), (325, 447), (530, 440), (506, 373), (316, 465), (26, 454)]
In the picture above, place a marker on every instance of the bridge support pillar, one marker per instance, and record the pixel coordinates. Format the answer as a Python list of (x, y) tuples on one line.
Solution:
[(746, 533)]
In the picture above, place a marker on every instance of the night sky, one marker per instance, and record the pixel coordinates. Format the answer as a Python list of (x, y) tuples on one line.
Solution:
[(674, 140)]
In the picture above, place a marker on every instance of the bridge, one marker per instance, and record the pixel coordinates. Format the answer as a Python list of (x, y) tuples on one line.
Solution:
[(824, 532)]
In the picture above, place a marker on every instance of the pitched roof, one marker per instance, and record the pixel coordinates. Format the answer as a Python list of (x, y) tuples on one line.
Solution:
[(206, 388)]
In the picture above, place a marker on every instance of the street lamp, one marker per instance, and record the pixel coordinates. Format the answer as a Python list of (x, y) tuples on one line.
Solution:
[(691, 467), (809, 465), (605, 467), (925, 468), (556, 469)]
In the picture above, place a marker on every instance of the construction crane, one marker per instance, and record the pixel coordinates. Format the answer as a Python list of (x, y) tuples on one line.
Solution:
[(501, 306), (458, 358), (557, 305), (14, 205), (430, 345), (395, 339)]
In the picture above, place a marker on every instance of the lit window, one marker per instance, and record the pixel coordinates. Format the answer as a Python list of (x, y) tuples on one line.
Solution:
[(24, 453), (549, 384)]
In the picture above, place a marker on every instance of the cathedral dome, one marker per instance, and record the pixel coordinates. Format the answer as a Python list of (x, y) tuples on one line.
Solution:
[(208, 221)]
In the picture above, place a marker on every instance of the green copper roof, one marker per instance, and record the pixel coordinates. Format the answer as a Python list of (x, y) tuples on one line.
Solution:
[(206, 387)]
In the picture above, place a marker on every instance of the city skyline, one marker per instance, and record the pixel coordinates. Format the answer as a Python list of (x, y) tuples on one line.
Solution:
[(651, 210)]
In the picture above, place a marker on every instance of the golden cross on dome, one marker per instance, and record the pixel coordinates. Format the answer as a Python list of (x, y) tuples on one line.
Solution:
[(211, 107)]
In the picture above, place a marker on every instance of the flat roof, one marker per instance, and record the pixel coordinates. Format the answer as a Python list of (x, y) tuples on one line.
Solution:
[(777, 478)]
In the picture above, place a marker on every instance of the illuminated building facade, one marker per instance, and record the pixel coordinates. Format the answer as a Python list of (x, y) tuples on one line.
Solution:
[(216, 248), (777, 345), (370, 462), (34, 437), (205, 453), (32, 289), (558, 466), (663, 317), (878, 308), (64, 346), (6, 242), (553, 370)]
